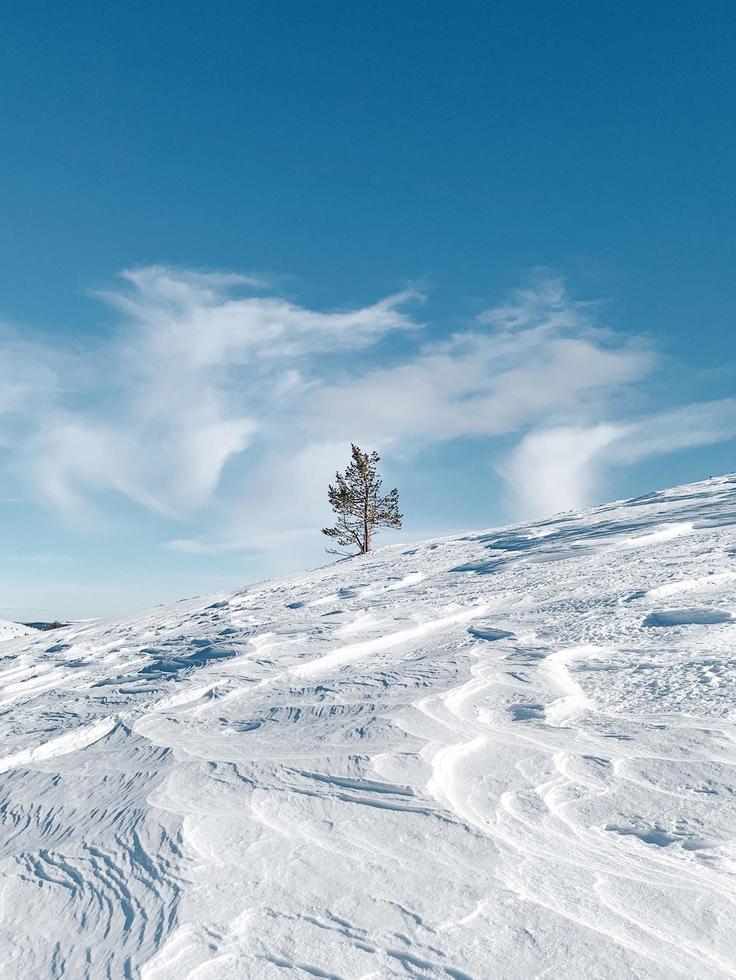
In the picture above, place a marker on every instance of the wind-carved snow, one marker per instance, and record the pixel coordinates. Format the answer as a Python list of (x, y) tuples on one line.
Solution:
[(502, 754)]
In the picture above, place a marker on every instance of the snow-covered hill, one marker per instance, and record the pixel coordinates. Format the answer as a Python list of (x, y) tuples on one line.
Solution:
[(11, 631), (502, 754)]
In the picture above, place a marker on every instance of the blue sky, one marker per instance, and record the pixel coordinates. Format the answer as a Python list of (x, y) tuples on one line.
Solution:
[(495, 241)]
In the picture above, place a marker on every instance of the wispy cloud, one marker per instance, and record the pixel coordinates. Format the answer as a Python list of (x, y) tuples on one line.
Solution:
[(559, 468), (206, 370), (193, 375), (28, 377), (538, 355)]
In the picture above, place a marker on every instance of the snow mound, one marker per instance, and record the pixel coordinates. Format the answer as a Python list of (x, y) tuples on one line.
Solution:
[(507, 753), (11, 631)]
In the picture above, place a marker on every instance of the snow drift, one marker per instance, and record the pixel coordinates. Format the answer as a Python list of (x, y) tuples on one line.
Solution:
[(500, 754)]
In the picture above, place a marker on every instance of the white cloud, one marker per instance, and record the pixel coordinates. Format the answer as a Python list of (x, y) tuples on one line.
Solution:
[(193, 375), (281, 507), (28, 377), (203, 370), (554, 469), (698, 424), (537, 356), (557, 469)]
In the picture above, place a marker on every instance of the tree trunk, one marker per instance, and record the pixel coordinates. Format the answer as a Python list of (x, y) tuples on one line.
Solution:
[(366, 524)]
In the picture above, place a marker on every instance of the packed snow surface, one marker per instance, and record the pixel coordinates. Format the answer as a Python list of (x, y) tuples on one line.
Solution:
[(497, 755)]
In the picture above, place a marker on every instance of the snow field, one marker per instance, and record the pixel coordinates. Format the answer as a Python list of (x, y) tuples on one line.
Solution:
[(502, 754)]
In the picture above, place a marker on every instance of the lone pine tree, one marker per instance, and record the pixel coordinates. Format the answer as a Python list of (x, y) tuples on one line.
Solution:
[(360, 508)]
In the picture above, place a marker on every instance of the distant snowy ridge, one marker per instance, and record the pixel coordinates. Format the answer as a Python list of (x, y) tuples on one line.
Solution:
[(508, 753), (11, 631)]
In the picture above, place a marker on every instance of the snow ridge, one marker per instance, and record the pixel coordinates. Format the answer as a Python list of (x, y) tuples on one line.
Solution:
[(507, 753)]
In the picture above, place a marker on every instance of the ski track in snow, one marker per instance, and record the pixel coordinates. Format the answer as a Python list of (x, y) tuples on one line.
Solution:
[(501, 754)]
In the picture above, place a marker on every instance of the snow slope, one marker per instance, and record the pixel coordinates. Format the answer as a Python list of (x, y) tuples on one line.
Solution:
[(10, 631), (502, 754)]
